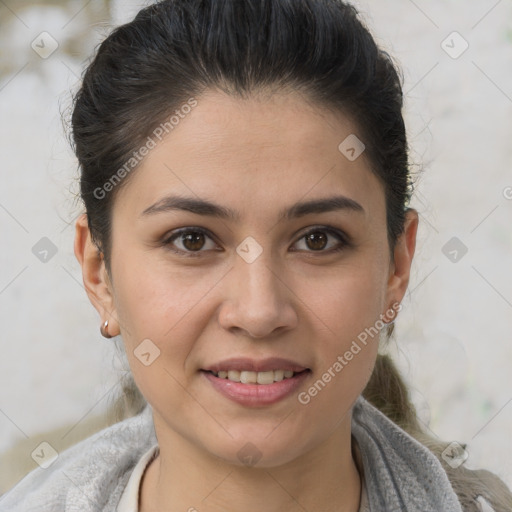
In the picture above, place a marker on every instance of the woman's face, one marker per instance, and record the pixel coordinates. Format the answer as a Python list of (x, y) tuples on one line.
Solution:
[(235, 292)]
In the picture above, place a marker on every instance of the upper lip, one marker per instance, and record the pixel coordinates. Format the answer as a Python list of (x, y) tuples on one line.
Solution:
[(253, 365)]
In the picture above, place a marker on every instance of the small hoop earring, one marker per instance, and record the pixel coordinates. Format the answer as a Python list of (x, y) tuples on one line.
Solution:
[(104, 330)]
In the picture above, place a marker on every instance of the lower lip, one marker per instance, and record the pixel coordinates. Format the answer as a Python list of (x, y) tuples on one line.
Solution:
[(256, 394)]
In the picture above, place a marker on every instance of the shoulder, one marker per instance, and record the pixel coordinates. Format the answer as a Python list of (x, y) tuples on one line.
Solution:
[(90, 475)]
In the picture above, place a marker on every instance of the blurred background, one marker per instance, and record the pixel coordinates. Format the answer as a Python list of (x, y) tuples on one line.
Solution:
[(58, 376)]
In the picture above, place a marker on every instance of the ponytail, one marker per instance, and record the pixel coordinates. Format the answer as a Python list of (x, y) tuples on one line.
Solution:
[(387, 391)]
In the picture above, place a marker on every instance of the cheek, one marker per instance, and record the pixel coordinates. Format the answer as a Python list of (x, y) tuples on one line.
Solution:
[(349, 328), (346, 351), (347, 300), (161, 312), (156, 301)]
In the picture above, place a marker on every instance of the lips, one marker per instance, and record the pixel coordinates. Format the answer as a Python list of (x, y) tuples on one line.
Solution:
[(259, 394), (256, 383)]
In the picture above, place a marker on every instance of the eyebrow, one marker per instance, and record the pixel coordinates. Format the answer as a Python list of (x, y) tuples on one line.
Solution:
[(208, 208)]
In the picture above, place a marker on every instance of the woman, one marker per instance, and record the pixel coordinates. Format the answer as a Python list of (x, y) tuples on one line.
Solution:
[(246, 231)]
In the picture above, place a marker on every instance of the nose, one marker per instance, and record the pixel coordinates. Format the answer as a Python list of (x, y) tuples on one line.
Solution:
[(257, 300)]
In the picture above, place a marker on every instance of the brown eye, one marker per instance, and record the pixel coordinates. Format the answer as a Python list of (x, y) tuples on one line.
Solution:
[(189, 242), (317, 240), (193, 241)]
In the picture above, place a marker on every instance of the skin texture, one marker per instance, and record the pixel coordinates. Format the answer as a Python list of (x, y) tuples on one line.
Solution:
[(256, 156)]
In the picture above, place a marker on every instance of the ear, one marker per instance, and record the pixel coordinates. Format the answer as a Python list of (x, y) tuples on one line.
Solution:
[(94, 274), (403, 252)]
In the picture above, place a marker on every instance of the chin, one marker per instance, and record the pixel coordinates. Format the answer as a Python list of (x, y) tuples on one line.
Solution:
[(258, 451)]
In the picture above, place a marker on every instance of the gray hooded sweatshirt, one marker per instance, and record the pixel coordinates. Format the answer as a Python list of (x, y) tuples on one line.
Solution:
[(401, 475)]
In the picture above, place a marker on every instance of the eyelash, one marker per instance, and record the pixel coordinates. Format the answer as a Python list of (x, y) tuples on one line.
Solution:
[(342, 237)]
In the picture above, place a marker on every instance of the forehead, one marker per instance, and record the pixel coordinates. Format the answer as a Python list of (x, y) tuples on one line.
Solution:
[(254, 155)]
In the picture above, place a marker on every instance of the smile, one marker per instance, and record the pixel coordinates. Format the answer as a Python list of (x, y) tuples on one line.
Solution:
[(250, 377)]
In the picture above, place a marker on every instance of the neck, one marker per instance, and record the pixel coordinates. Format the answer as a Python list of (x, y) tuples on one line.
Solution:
[(182, 477)]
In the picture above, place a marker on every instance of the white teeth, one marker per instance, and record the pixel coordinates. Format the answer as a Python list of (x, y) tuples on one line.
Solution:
[(265, 377), (233, 375), (249, 377), (278, 375)]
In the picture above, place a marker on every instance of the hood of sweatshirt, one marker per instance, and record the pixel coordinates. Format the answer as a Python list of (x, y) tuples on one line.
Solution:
[(400, 473)]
